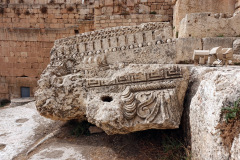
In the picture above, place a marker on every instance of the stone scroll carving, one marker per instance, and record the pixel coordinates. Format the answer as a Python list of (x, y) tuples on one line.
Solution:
[(145, 104), (120, 86), (132, 100)]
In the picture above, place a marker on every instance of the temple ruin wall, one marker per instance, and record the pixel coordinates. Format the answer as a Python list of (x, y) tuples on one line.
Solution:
[(184, 7), (215, 25), (28, 31), (111, 13), (29, 28)]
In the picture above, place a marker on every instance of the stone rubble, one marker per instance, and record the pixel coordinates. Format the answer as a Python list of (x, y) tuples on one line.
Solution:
[(216, 56)]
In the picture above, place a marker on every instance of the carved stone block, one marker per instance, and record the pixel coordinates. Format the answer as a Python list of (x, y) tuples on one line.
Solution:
[(105, 43), (122, 40), (149, 36), (215, 56), (120, 88), (82, 47), (139, 38), (131, 100), (98, 45)]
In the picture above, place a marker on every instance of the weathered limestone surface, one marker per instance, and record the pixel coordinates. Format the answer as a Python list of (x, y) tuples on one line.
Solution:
[(225, 42), (21, 101), (214, 88), (235, 150), (138, 103), (236, 46), (215, 56), (20, 128), (185, 48), (115, 78), (184, 7), (237, 6), (210, 25)]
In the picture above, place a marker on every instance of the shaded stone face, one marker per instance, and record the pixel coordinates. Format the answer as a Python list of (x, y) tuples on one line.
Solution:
[(113, 81)]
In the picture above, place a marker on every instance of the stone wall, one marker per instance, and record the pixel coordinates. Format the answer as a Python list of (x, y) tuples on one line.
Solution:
[(125, 7), (210, 25), (3, 88), (40, 1), (184, 7), (47, 16), (111, 13), (102, 22), (27, 33), (23, 57)]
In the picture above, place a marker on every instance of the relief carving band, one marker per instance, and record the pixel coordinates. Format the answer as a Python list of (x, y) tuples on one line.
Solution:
[(145, 102), (115, 81), (172, 72)]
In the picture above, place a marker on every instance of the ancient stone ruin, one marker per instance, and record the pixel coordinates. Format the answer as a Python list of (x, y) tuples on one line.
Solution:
[(215, 56), (128, 65), (114, 79)]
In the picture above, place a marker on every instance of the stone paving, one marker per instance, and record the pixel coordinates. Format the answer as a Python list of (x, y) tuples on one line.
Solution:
[(20, 127)]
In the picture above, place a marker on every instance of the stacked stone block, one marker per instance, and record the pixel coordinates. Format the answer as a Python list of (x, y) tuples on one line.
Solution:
[(51, 16), (184, 7), (3, 88), (111, 13), (40, 1), (102, 22), (27, 36)]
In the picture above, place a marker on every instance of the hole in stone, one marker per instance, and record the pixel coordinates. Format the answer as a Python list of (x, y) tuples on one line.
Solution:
[(76, 31), (23, 120), (106, 99), (2, 146)]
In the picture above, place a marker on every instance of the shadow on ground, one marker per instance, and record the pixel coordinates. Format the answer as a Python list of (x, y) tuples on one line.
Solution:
[(144, 145)]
